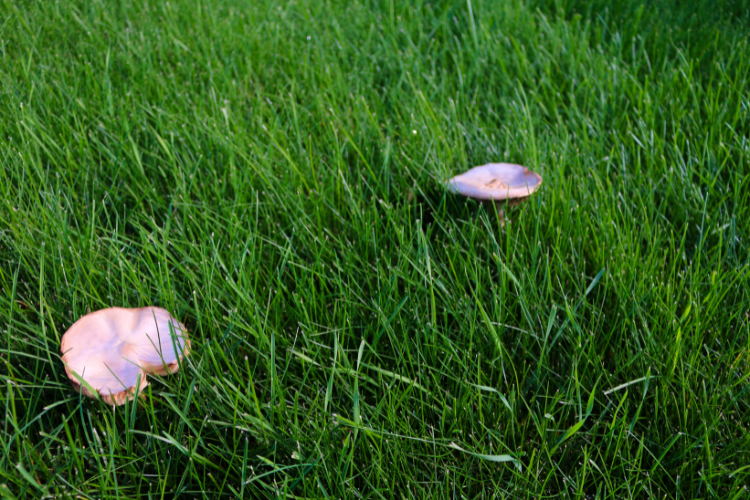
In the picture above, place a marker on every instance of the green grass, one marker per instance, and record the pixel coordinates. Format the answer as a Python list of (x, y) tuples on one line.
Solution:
[(272, 173)]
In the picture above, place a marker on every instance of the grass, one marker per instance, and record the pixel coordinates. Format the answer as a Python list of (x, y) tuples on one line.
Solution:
[(271, 173)]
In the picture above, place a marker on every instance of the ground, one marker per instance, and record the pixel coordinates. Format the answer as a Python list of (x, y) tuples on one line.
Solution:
[(273, 174)]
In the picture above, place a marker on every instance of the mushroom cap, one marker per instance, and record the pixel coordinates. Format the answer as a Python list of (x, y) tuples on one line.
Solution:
[(496, 181), (110, 348)]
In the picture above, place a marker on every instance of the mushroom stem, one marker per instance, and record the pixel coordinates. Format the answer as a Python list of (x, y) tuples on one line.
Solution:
[(497, 206), (501, 214), (500, 206)]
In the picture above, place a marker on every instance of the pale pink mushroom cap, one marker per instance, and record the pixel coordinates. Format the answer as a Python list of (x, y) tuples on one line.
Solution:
[(496, 181), (110, 348)]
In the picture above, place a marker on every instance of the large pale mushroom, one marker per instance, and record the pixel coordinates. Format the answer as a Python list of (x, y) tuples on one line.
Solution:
[(109, 349), (496, 183)]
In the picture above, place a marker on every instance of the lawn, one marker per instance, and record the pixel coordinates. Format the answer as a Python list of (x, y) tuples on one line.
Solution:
[(272, 173)]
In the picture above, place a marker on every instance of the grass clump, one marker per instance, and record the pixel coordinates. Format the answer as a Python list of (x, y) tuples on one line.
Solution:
[(272, 174)]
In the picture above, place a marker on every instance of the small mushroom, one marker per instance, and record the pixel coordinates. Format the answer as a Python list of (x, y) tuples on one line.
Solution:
[(110, 348), (496, 182)]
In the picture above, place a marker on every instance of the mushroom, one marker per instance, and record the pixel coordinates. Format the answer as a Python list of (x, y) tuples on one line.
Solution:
[(496, 182), (111, 348)]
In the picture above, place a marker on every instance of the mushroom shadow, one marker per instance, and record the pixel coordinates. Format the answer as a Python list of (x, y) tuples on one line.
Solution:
[(439, 202), (436, 201)]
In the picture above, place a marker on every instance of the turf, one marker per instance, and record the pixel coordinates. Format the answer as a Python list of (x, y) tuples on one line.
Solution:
[(272, 173)]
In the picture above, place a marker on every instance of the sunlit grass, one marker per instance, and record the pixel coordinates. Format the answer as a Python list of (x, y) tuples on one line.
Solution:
[(272, 174)]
